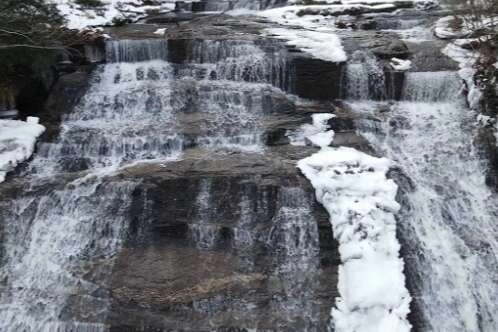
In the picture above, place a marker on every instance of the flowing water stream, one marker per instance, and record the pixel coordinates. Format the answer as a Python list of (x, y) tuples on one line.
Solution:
[(448, 221)]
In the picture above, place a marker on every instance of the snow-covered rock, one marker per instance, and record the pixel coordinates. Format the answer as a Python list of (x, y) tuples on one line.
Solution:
[(400, 65), (427, 4), (312, 34), (466, 60), (17, 142), (80, 17), (360, 200), (447, 28), (322, 45)]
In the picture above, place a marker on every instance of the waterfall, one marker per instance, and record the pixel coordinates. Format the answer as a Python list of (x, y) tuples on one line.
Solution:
[(130, 50), (57, 251), (241, 61), (60, 240), (448, 220), (294, 236), (431, 86), (363, 78)]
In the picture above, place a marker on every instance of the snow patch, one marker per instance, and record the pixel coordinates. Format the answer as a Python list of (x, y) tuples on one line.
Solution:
[(485, 120), (17, 142), (400, 65), (160, 31), (316, 133)]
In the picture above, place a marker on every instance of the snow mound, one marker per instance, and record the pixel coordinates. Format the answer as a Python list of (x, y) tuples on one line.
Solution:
[(447, 28), (360, 200), (17, 142)]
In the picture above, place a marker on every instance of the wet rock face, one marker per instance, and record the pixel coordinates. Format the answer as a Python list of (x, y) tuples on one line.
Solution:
[(225, 254), (486, 138), (394, 49), (316, 79), (65, 95)]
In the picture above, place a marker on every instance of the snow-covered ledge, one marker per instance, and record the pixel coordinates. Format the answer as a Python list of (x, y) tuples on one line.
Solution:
[(360, 200), (17, 142)]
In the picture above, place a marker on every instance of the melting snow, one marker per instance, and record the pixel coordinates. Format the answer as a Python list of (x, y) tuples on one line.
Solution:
[(17, 142)]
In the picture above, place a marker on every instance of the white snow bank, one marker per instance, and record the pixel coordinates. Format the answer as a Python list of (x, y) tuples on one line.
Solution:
[(322, 45), (400, 65), (17, 142), (79, 17), (360, 200)]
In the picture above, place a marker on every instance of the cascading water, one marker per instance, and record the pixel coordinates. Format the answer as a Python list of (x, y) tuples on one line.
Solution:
[(363, 78), (59, 245), (58, 248), (62, 235), (448, 222)]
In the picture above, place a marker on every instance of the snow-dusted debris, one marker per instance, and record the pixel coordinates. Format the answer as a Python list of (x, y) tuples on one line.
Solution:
[(360, 200), (400, 65), (79, 17), (17, 142)]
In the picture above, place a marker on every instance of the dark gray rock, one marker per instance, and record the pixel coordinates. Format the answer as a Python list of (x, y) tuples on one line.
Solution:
[(394, 49), (316, 79), (165, 278), (64, 96)]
